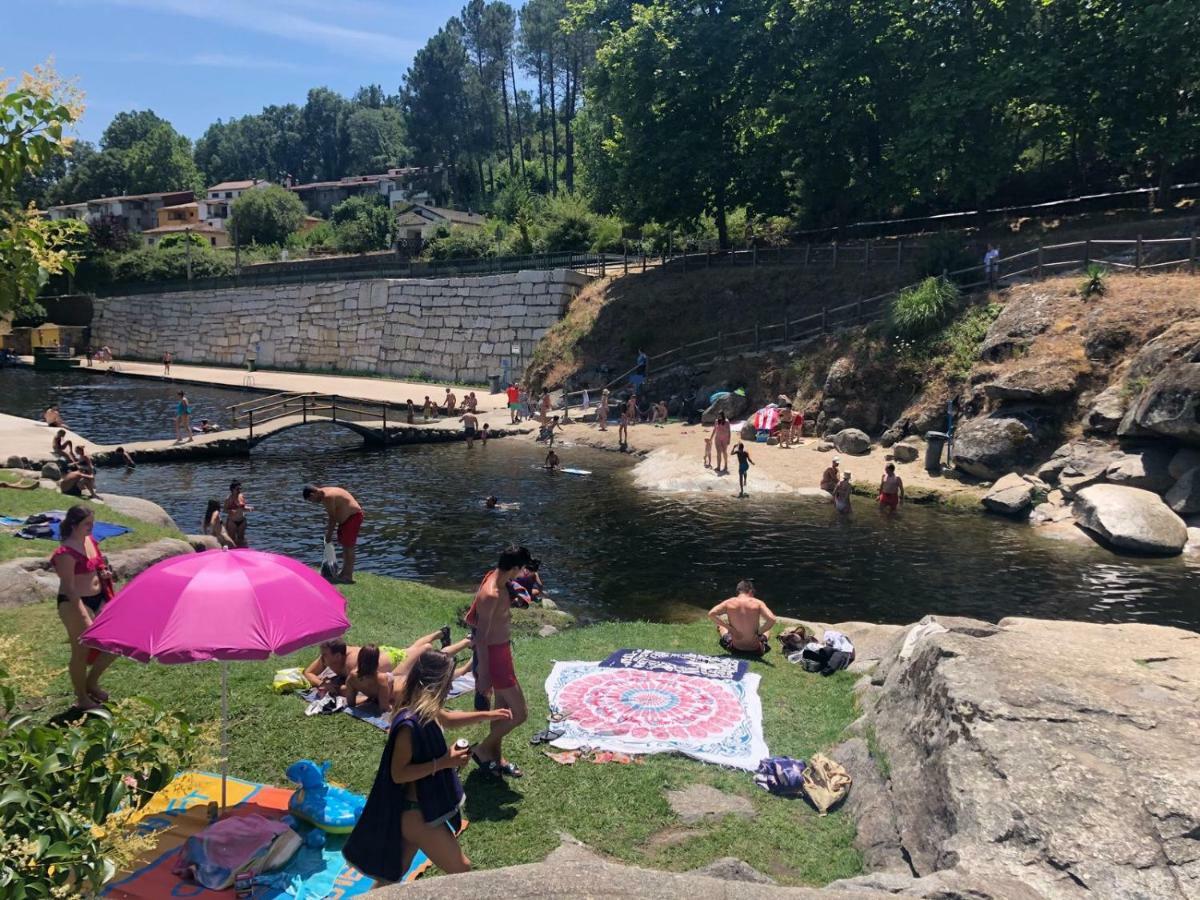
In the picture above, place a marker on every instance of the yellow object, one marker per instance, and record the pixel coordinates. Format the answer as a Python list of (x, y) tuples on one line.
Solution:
[(288, 680)]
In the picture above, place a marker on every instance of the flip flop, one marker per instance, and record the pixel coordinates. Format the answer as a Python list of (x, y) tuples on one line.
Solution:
[(510, 770), (546, 736)]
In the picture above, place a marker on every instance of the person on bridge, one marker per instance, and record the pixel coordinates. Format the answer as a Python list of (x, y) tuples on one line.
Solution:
[(345, 517)]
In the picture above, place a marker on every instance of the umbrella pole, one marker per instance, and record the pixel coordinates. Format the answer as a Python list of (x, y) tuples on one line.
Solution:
[(224, 728)]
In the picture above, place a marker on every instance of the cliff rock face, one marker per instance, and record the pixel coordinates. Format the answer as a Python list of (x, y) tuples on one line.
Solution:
[(1057, 755)]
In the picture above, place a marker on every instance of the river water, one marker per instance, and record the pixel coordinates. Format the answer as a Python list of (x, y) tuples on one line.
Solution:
[(608, 549)]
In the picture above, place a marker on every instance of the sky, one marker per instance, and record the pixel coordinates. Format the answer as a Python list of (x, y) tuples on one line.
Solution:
[(196, 61)]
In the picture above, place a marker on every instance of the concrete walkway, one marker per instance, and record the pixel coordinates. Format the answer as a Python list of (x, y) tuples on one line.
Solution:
[(30, 439)]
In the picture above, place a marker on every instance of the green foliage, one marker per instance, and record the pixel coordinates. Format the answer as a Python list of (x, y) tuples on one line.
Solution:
[(375, 140), (460, 242), (944, 253), (952, 349), (565, 223), (161, 263), (362, 223), (1095, 282), (266, 215), (607, 235), (321, 235), (110, 233), (66, 790), (181, 239), (921, 310)]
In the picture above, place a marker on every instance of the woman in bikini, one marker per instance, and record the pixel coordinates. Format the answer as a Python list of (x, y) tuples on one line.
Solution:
[(212, 524), (417, 792), (367, 680), (235, 514), (721, 435), (84, 586)]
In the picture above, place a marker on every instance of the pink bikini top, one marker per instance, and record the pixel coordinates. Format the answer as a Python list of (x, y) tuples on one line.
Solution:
[(83, 563)]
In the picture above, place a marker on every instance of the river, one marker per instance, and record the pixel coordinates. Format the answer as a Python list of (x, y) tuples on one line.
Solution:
[(608, 549)]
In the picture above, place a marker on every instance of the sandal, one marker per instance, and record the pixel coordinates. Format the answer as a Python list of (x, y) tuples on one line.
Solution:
[(546, 736), (489, 767), (510, 770)]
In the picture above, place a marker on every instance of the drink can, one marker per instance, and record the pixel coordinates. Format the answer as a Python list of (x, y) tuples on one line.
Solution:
[(462, 744)]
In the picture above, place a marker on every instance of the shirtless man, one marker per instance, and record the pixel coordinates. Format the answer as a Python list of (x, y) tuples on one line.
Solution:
[(336, 657), (345, 516), (551, 460), (53, 418), (891, 489), (743, 622), (87, 469), (470, 426), (490, 618), (379, 669), (61, 447), (830, 477), (427, 408), (451, 400)]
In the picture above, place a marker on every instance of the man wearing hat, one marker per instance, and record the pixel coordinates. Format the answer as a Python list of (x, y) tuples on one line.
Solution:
[(829, 480)]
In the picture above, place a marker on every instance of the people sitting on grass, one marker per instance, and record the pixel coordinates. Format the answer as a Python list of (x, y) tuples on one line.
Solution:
[(85, 584), (530, 582), (380, 668), (743, 622), (416, 792)]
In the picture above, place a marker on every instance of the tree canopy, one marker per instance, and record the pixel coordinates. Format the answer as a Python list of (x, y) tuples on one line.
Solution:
[(266, 215)]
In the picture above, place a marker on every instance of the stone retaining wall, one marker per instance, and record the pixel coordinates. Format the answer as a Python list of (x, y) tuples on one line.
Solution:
[(458, 329)]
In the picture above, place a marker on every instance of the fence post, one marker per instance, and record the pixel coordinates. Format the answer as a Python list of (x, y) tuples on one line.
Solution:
[(643, 260), (867, 253), (807, 248), (754, 254), (1192, 253), (333, 406), (835, 254), (385, 423), (1138, 260), (1039, 262), (824, 319), (1087, 252), (304, 409), (899, 253), (603, 259), (250, 412), (708, 259), (625, 259)]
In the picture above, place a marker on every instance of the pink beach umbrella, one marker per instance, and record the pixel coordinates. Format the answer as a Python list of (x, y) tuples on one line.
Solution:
[(766, 419), (223, 605)]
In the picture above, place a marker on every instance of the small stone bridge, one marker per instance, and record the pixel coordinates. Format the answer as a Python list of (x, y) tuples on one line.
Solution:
[(378, 424)]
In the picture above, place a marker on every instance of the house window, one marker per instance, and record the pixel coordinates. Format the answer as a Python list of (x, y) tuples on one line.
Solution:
[(212, 241), (229, 195)]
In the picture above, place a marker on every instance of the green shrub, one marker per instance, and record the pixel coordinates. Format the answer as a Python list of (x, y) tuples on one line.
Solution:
[(1095, 282), (460, 242), (608, 235), (181, 239), (921, 310), (266, 215), (361, 224), (66, 792), (567, 224)]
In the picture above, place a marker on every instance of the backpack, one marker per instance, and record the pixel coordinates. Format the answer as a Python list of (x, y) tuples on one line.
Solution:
[(825, 782)]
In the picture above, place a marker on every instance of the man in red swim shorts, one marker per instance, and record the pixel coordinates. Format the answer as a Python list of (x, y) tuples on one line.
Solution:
[(891, 489), (345, 516), (490, 617)]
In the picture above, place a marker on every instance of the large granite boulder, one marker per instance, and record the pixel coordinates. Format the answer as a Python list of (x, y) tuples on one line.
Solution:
[(1168, 406), (1012, 495), (1176, 343), (1042, 759), (137, 508), (1130, 519), (1148, 469), (852, 441), (840, 377), (1106, 411), (1184, 495), (906, 451), (127, 563), (1028, 313), (991, 446), (1183, 461), (1078, 458), (1041, 381), (891, 436), (733, 405)]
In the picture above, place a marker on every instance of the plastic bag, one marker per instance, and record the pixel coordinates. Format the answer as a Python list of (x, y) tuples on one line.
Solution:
[(288, 680), (329, 563)]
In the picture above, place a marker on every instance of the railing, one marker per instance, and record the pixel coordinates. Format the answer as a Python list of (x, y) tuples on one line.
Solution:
[(313, 407)]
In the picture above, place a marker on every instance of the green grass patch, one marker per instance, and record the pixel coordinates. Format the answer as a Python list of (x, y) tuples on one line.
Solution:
[(19, 504), (615, 809)]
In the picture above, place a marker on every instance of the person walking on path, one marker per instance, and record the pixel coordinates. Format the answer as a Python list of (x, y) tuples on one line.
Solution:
[(167, 364), (343, 515), (721, 437), (85, 584), (490, 618), (415, 803), (891, 489), (183, 418), (513, 393), (235, 514), (744, 464)]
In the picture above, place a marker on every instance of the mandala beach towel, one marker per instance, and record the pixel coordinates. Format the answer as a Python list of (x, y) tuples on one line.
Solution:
[(637, 711)]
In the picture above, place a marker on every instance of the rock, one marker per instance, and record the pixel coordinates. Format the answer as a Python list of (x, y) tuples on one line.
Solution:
[(748, 431), (1107, 411), (729, 868), (1042, 381), (1078, 458), (838, 381), (891, 436), (696, 802), (733, 405), (852, 441), (947, 884), (1012, 495), (1176, 343), (51, 472), (1192, 547), (825, 447), (1184, 495), (19, 586), (991, 446), (202, 542), (906, 452), (1023, 318), (547, 631), (14, 462), (864, 414), (1131, 519), (137, 508), (1168, 406), (127, 563), (547, 603), (1183, 462), (1147, 469), (1049, 513), (877, 836), (833, 425), (995, 746)]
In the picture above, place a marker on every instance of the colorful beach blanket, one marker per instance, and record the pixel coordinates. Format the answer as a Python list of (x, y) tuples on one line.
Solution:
[(179, 811), (645, 711), (722, 667)]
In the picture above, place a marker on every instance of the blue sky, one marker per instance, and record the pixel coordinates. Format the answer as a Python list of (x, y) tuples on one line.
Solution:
[(194, 61)]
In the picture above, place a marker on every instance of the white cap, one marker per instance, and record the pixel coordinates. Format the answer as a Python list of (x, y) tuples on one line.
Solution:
[(837, 459)]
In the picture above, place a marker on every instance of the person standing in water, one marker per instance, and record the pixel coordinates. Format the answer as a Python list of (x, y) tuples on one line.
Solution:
[(211, 524), (744, 464), (891, 489), (183, 417), (427, 409), (721, 436), (343, 515), (235, 514), (470, 426), (409, 411), (841, 494), (513, 393)]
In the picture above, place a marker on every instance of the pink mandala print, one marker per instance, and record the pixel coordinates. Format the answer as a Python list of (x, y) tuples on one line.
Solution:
[(652, 706)]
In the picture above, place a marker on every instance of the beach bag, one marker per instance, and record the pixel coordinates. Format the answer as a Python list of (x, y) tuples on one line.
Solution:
[(329, 564), (227, 848), (288, 680), (781, 776), (825, 782)]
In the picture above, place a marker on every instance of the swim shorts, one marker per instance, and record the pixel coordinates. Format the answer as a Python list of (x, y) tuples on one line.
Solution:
[(727, 644), (892, 501), (347, 532), (395, 654), (514, 405), (500, 666)]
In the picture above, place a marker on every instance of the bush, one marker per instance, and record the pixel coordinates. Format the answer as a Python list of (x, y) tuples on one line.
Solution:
[(566, 225), (460, 242), (1095, 282), (180, 239), (608, 235), (361, 224), (66, 792), (921, 310), (266, 215)]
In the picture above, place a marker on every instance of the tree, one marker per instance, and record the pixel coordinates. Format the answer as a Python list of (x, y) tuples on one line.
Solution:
[(361, 224), (32, 248), (90, 173), (161, 161), (375, 139), (127, 129), (266, 215), (434, 100), (323, 128)]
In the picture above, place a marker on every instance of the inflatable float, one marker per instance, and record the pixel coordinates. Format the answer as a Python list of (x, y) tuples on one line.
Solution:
[(320, 804)]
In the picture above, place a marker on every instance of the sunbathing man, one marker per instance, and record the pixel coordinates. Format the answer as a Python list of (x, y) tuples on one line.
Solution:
[(343, 515), (337, 660), (743, 622), (372, 680), (490, 618)]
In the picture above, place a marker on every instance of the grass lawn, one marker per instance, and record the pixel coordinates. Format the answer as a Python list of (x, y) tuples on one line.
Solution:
[(618, 810), (18, 503)]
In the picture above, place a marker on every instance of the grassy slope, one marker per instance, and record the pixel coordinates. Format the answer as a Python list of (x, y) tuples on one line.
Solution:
[(24, 503), (616, 809)]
